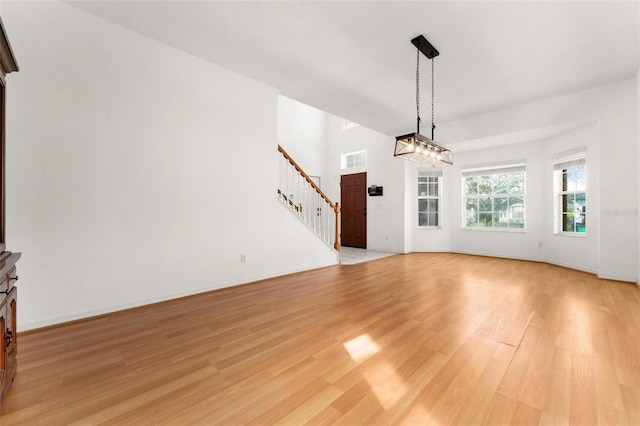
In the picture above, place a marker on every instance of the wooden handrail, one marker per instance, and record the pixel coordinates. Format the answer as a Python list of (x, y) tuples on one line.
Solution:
[(307, 178), (336, 243), (334, 206)]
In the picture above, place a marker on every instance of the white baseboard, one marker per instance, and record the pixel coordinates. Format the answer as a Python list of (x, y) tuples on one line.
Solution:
[(88, 314), (618, 278), (572, 266), (581, 268), (504, 256), (176, 295)]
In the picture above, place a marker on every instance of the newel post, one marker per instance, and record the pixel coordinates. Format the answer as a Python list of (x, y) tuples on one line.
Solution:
[(336, 209)]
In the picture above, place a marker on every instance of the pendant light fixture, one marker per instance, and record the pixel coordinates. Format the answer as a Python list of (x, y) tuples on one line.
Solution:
[(414, 146)]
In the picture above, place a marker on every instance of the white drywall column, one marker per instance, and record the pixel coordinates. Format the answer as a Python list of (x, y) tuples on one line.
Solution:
[(385, 214), (129, 180)]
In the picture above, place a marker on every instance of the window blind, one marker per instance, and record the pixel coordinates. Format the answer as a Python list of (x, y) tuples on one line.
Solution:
[(437, 173), (573, 158), (494, 170)]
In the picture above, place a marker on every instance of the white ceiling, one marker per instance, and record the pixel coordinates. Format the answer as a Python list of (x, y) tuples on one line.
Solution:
[(354, 59)]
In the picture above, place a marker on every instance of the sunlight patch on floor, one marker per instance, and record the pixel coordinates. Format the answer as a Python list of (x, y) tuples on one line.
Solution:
[(361, 347), (386, 384), (382, 378)]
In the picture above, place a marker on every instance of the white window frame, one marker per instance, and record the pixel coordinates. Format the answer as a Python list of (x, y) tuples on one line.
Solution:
[(353, 160), (491, 171), (424, 195), (347, 124), (563, 163)]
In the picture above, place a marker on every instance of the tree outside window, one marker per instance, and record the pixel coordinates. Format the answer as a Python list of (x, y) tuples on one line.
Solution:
[(495, 198), (570, 181), (572, 196)]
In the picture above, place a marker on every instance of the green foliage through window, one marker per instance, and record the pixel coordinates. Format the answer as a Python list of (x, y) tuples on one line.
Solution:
[(495, 199), (573, 198)]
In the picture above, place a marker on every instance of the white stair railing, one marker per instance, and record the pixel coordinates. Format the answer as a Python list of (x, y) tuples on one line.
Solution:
[(299, 193)]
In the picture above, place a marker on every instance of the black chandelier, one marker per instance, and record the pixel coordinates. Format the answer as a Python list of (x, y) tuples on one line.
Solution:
[(414, 146)]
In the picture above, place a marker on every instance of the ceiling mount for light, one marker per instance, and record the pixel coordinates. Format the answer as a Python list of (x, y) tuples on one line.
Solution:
[(425, 47), (414, 146)]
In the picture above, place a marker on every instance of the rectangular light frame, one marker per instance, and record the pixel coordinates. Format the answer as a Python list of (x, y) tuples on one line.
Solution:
[(420, 149)]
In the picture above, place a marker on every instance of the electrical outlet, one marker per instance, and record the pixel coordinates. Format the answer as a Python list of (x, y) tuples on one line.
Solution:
[(243, 258)]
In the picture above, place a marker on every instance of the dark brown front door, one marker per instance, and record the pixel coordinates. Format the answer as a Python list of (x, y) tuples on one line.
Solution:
[(353, 207)]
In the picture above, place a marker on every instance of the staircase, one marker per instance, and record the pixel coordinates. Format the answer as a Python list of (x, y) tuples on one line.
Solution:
[(307, 201)]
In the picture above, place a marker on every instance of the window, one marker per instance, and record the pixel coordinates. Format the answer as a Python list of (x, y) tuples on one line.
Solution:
[(570, 174), (353, 159), (346, 124), (494, 198), (429, 199)]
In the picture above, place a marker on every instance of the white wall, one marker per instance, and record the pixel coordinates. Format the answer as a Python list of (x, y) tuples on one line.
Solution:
[(430, 239), (302, 132), (618, 151), (129, 180), (578, 252), (538, 241), (521, 245), (410, 188), (385, 214), (614, 108)]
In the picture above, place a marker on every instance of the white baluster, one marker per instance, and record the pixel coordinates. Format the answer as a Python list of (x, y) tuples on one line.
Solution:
[(300, 195)]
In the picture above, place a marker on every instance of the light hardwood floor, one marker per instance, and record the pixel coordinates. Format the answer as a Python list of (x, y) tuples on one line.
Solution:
[(408, 339)]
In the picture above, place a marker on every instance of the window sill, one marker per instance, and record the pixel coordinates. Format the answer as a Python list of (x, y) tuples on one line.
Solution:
[(571, 234), (429, 228), (507, 230)]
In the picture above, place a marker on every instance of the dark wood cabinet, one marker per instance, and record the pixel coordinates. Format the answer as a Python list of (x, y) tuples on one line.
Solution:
[(8, 331), (8, 276)]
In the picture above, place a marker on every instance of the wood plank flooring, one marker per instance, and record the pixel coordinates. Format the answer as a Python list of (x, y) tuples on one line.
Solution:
[(429, 338)]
